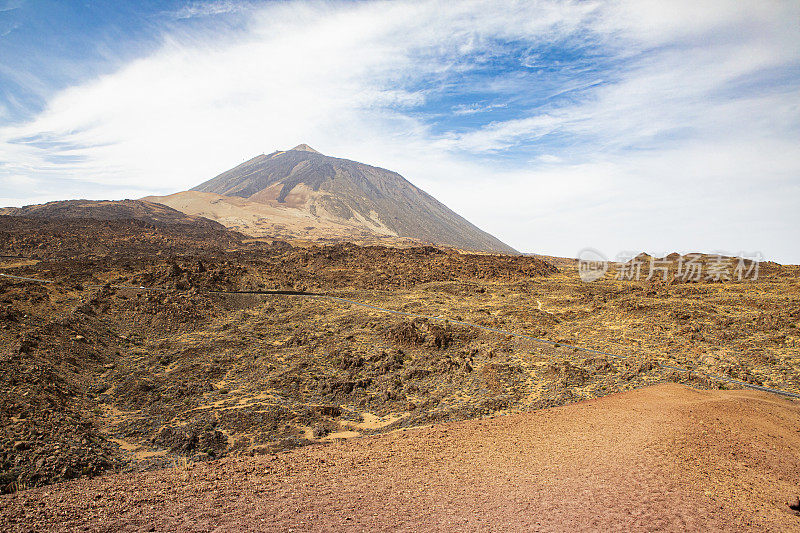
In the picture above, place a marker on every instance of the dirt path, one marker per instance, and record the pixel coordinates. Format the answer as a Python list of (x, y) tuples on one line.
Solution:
[(663, 458)]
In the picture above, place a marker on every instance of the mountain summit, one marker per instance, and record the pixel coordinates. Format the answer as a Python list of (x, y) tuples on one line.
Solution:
[(304, 148), (303, 194)]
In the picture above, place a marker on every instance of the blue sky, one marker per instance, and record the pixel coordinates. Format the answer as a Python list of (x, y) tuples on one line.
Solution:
[(623, 126)]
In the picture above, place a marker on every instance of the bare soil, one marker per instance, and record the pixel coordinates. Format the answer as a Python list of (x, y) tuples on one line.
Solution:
[(663, 458)]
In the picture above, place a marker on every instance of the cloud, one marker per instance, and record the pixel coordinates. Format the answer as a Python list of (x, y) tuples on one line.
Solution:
[(684, 138), (6, 31), (209, 8), (300, 71), (10, 5), (502, 135), (471, 109)]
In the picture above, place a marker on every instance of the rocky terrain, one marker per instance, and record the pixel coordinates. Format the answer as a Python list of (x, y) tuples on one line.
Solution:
[(300, 194), (164, 344), (663, 458), (128, 210), (101, 377)]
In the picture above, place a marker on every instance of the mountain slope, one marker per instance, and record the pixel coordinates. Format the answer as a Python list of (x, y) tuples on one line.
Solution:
[(333, 194), (141, 210)]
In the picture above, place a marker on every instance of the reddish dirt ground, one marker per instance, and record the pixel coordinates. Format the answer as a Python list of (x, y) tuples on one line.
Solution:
[(666, 457)]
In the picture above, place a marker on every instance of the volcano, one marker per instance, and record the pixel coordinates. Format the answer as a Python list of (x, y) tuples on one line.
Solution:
[(303, 194)]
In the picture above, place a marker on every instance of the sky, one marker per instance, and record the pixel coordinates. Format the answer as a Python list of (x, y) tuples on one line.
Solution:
[(623, 126)]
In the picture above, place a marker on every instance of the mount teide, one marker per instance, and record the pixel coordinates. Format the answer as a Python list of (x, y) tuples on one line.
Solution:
[(302, 194)]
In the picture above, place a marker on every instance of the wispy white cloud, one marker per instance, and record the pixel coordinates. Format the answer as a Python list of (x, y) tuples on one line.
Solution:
[(502, 135), (686, 143), (471, 109), (208, 8), (6, 31), (10, 5)]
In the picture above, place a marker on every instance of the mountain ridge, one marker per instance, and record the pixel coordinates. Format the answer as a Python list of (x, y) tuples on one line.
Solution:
[(141, 210)]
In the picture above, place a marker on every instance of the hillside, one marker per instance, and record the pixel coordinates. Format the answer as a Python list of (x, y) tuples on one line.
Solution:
[(140, 210), (138, 356), (302, 194)]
